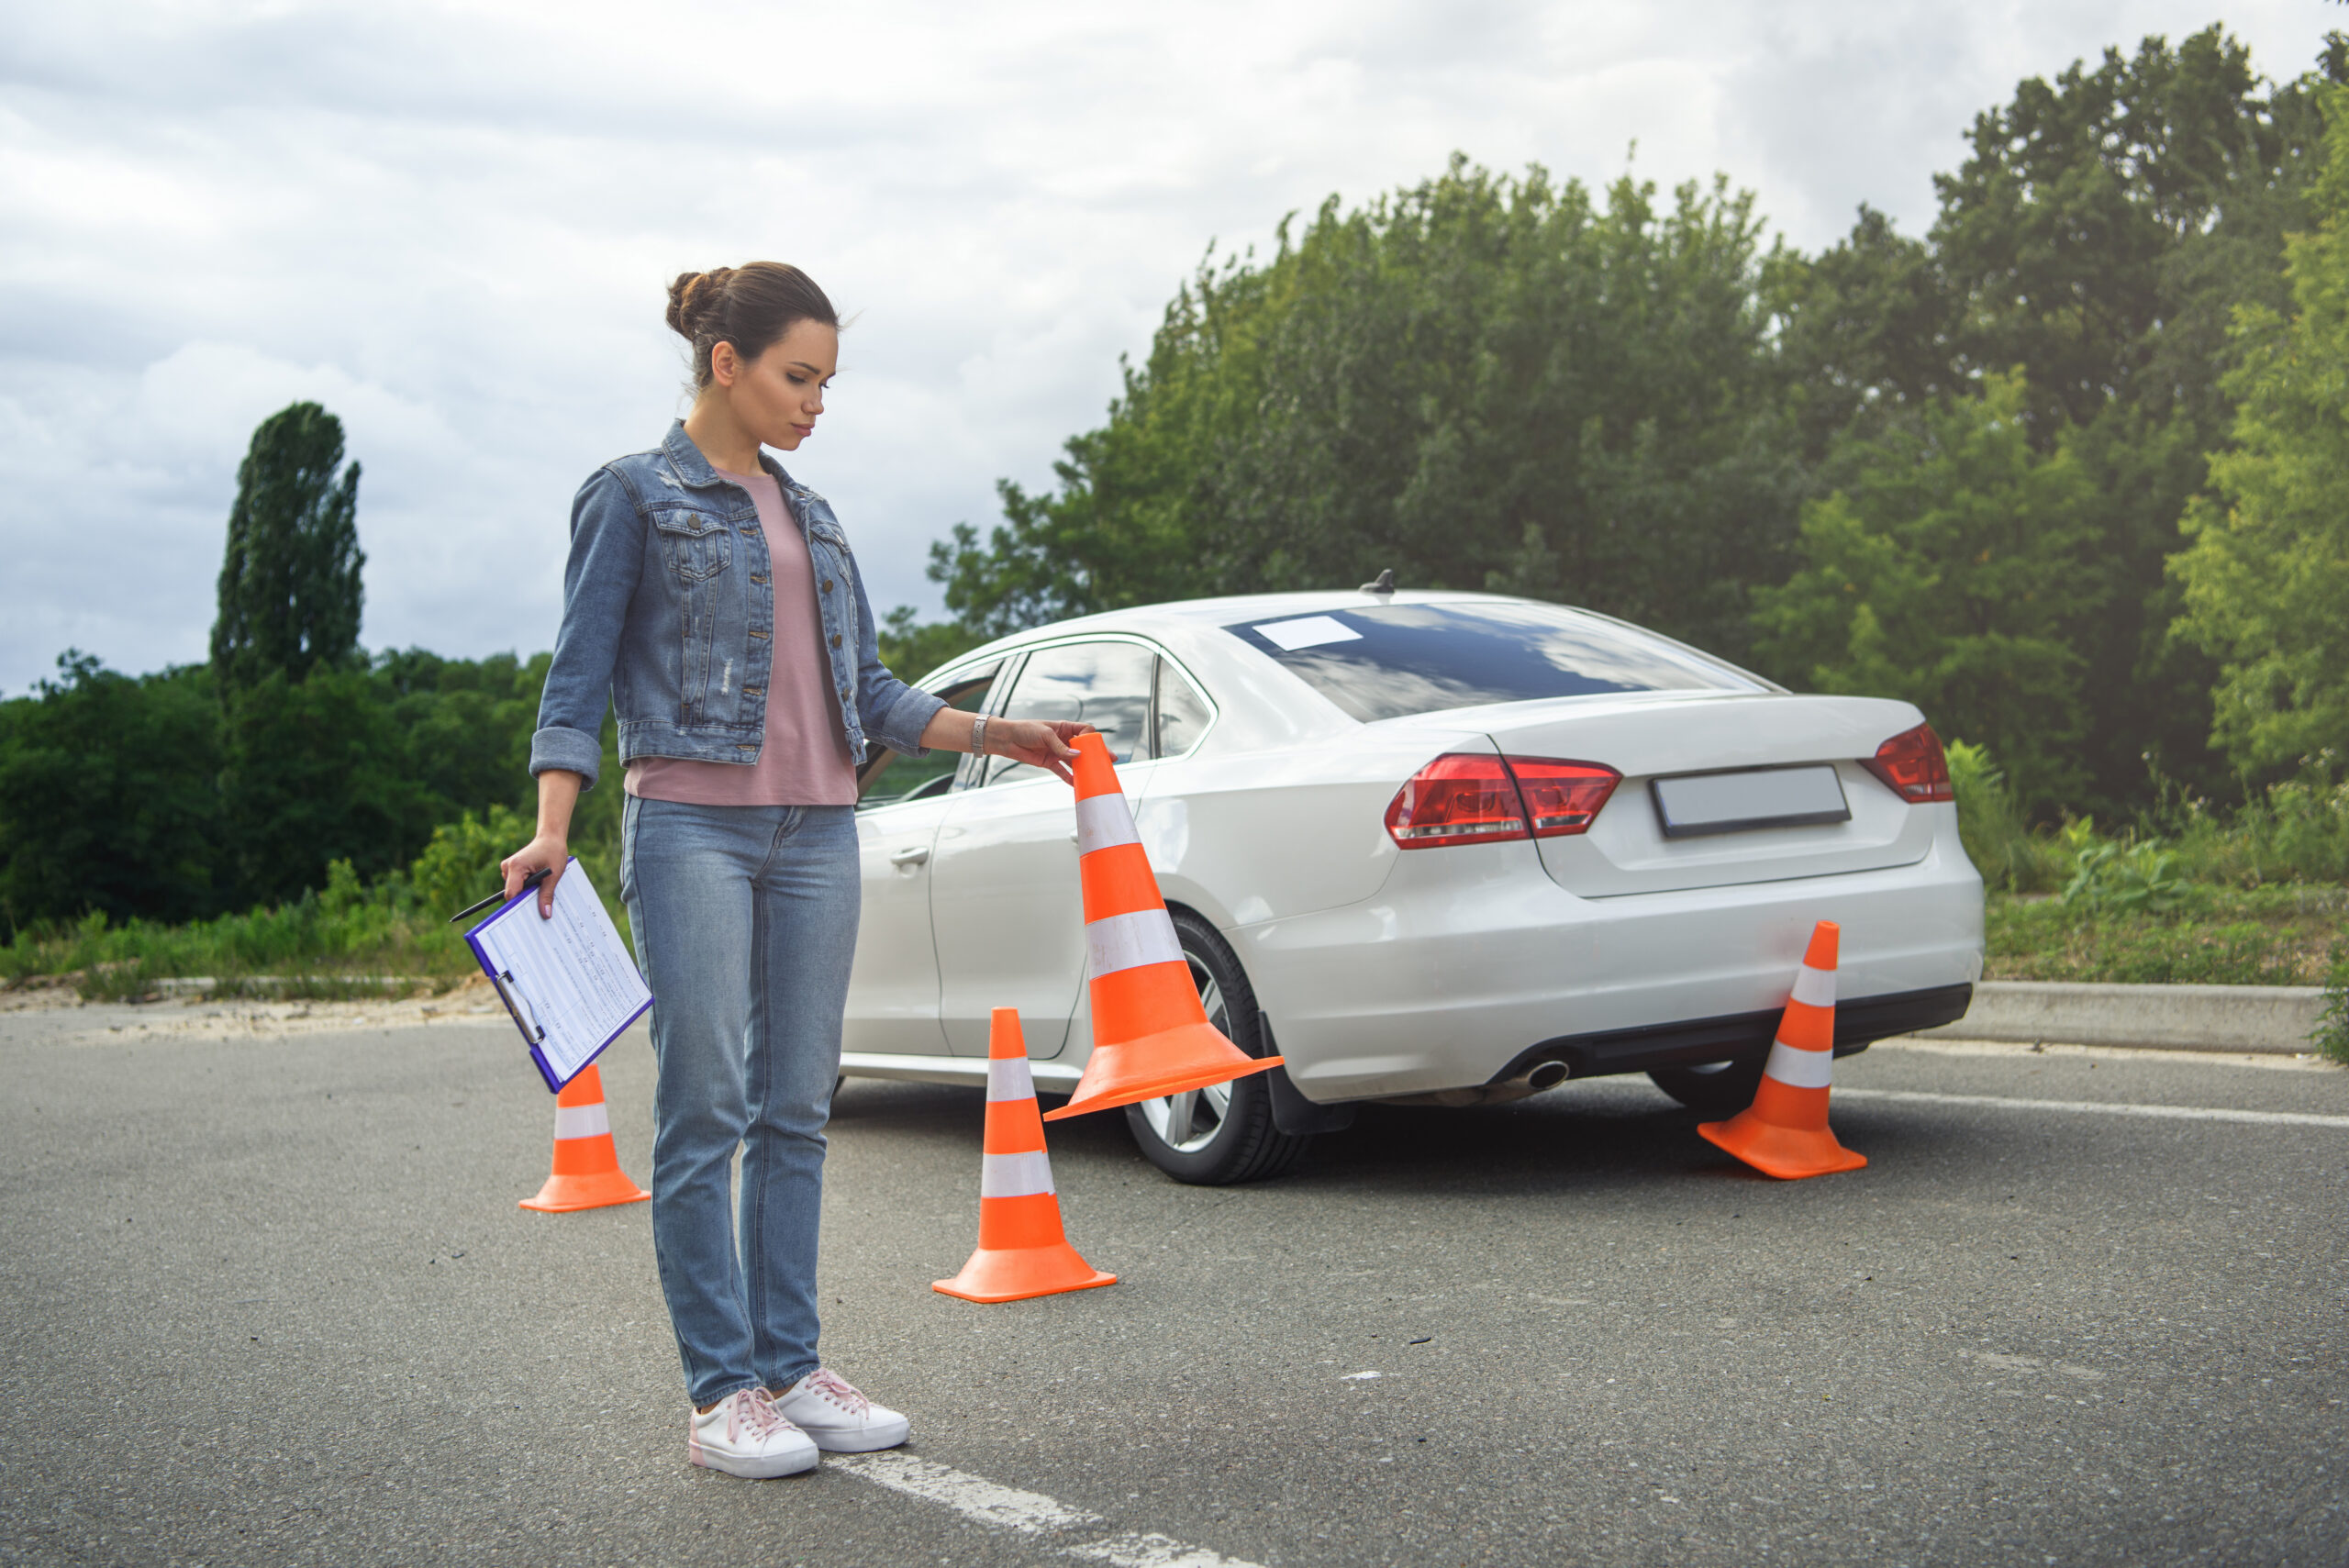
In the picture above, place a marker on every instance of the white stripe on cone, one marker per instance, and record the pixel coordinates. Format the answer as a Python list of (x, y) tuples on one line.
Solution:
[(581, 1121), (1103, 822), (1815, 987), (1014, 1175), (1799, 1068), (1008, 1079), (1129, 941)]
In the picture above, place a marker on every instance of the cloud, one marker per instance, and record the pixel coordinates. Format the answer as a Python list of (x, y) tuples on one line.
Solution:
[(452, 225)]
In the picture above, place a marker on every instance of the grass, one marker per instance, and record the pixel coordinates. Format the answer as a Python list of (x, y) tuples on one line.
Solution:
[(2206, 936), (2189, 895), (348, 939)]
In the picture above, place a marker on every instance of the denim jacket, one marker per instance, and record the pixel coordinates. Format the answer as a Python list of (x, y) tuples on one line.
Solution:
[(668, 609)]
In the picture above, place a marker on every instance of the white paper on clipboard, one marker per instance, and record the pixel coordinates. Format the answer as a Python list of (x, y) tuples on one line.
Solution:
[(577, 987)]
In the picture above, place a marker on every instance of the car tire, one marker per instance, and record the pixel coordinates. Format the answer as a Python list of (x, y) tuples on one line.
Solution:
[(1715, 1090), (1217, 1136)]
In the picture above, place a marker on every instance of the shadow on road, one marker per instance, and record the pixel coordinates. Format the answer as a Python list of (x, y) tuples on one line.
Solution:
[(1581, 1137)]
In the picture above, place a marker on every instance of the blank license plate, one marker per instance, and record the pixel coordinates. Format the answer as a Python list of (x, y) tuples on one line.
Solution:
[(1697, 804)]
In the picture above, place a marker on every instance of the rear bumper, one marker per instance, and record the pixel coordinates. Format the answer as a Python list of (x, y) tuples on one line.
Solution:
[(1470, 964), (1741, 1035)]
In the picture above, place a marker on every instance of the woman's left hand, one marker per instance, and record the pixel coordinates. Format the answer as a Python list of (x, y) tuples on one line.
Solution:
[(1038, 742)]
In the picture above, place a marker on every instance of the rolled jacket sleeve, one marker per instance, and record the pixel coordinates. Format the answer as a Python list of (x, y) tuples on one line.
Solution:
[(886, 708), (599, 579)]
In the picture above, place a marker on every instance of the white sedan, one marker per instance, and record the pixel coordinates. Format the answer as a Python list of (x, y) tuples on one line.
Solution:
[(1432, 848)]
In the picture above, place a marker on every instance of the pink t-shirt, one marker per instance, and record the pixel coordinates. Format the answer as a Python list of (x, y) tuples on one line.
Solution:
[(806, 760)]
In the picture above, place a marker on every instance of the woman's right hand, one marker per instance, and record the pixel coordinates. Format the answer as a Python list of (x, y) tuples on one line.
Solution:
[(546, 852), (1038, 742)]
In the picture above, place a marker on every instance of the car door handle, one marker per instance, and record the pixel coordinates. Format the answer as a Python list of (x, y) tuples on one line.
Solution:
[(910, 857)]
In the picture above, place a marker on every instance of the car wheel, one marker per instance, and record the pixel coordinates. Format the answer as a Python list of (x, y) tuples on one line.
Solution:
[(1224, 1133), (1716, 1090)]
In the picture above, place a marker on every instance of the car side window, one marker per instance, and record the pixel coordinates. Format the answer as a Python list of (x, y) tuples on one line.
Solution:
[(914, 778), (1107, 684), (1182, 713)]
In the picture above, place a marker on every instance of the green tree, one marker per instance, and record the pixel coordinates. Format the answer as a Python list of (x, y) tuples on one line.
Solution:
[(1946, 568), (2100, 234), (1481, 381), (2266, 578), (912, 650), (107, 797), (315, 771), (464, 726), (290, 590), (1866, 328)]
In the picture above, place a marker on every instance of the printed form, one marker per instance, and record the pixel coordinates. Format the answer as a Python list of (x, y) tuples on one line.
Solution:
[(567, 979)]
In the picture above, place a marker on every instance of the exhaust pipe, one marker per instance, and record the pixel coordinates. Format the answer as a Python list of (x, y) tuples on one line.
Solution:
[(1533, 1081)]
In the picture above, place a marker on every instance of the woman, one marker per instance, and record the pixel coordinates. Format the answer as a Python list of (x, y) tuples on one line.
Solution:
[(716, 601)]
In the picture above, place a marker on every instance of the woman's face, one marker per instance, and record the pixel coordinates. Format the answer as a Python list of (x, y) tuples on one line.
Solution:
[(777, 396)]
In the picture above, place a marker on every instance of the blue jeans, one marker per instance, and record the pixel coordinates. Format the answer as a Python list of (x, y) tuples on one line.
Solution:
[(745, 923)]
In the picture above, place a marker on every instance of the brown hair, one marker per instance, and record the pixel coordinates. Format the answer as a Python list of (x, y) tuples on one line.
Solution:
[(750, 306)]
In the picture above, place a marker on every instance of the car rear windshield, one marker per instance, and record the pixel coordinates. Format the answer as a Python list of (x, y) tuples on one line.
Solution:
[(1404, 658)]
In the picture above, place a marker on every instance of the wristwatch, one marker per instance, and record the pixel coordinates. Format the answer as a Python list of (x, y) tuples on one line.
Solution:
[(979, 736)]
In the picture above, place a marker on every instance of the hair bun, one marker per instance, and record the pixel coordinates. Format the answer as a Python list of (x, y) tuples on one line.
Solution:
[(694, 299)]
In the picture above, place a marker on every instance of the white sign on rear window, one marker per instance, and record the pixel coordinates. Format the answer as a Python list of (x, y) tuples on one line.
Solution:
[(1308, 631)]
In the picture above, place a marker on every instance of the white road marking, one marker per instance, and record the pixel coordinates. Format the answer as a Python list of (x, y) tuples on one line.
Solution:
[(2101, 1108), (1154, 1552), (984, 1502), (980, 1501), (2032, 1364)]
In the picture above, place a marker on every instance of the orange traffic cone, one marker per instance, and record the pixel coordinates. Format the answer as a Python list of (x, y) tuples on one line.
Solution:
[(1784, 1132), (586, 1167), (1022, 1249), (1151, 1037)]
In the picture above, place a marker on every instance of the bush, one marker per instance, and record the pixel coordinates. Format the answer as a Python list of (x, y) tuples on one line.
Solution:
[(2002, 846), (2110, 877), (349, 937), (2332, 1035), (2294, 832)]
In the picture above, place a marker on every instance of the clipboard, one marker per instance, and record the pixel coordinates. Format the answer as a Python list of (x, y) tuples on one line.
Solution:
[(567, 981)]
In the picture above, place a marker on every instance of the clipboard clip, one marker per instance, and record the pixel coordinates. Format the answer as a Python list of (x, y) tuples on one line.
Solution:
[(528, 883), (519, 1006)]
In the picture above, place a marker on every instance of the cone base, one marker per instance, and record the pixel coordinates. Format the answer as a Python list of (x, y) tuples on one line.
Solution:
[(1786, 1152), (1016, 1273), (1211, 1059), (606, 1189)]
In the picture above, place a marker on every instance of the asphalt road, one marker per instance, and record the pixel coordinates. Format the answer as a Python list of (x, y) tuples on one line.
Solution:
[(269, 1300)]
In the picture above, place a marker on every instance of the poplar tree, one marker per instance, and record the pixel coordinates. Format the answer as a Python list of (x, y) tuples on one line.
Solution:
[(290, 590)]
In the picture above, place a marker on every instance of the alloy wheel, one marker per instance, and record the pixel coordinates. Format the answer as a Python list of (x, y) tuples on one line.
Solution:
[(1189, 1121)]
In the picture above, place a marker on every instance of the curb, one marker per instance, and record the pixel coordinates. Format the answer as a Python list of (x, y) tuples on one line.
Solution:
[(2272, 1020)]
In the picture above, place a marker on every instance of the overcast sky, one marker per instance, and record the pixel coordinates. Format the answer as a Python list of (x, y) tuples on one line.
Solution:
[(452, 225)]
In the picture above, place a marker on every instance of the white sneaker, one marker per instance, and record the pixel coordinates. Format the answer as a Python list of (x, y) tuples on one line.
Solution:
[(743, 1434), (841, 1419)]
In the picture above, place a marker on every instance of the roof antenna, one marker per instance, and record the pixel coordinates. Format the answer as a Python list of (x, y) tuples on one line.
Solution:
[(1384, 585)]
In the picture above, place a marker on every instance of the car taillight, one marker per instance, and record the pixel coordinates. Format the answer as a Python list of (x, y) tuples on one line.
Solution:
[(1562, 797), (1913, 766), (1459, 798), (1470, 798)]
